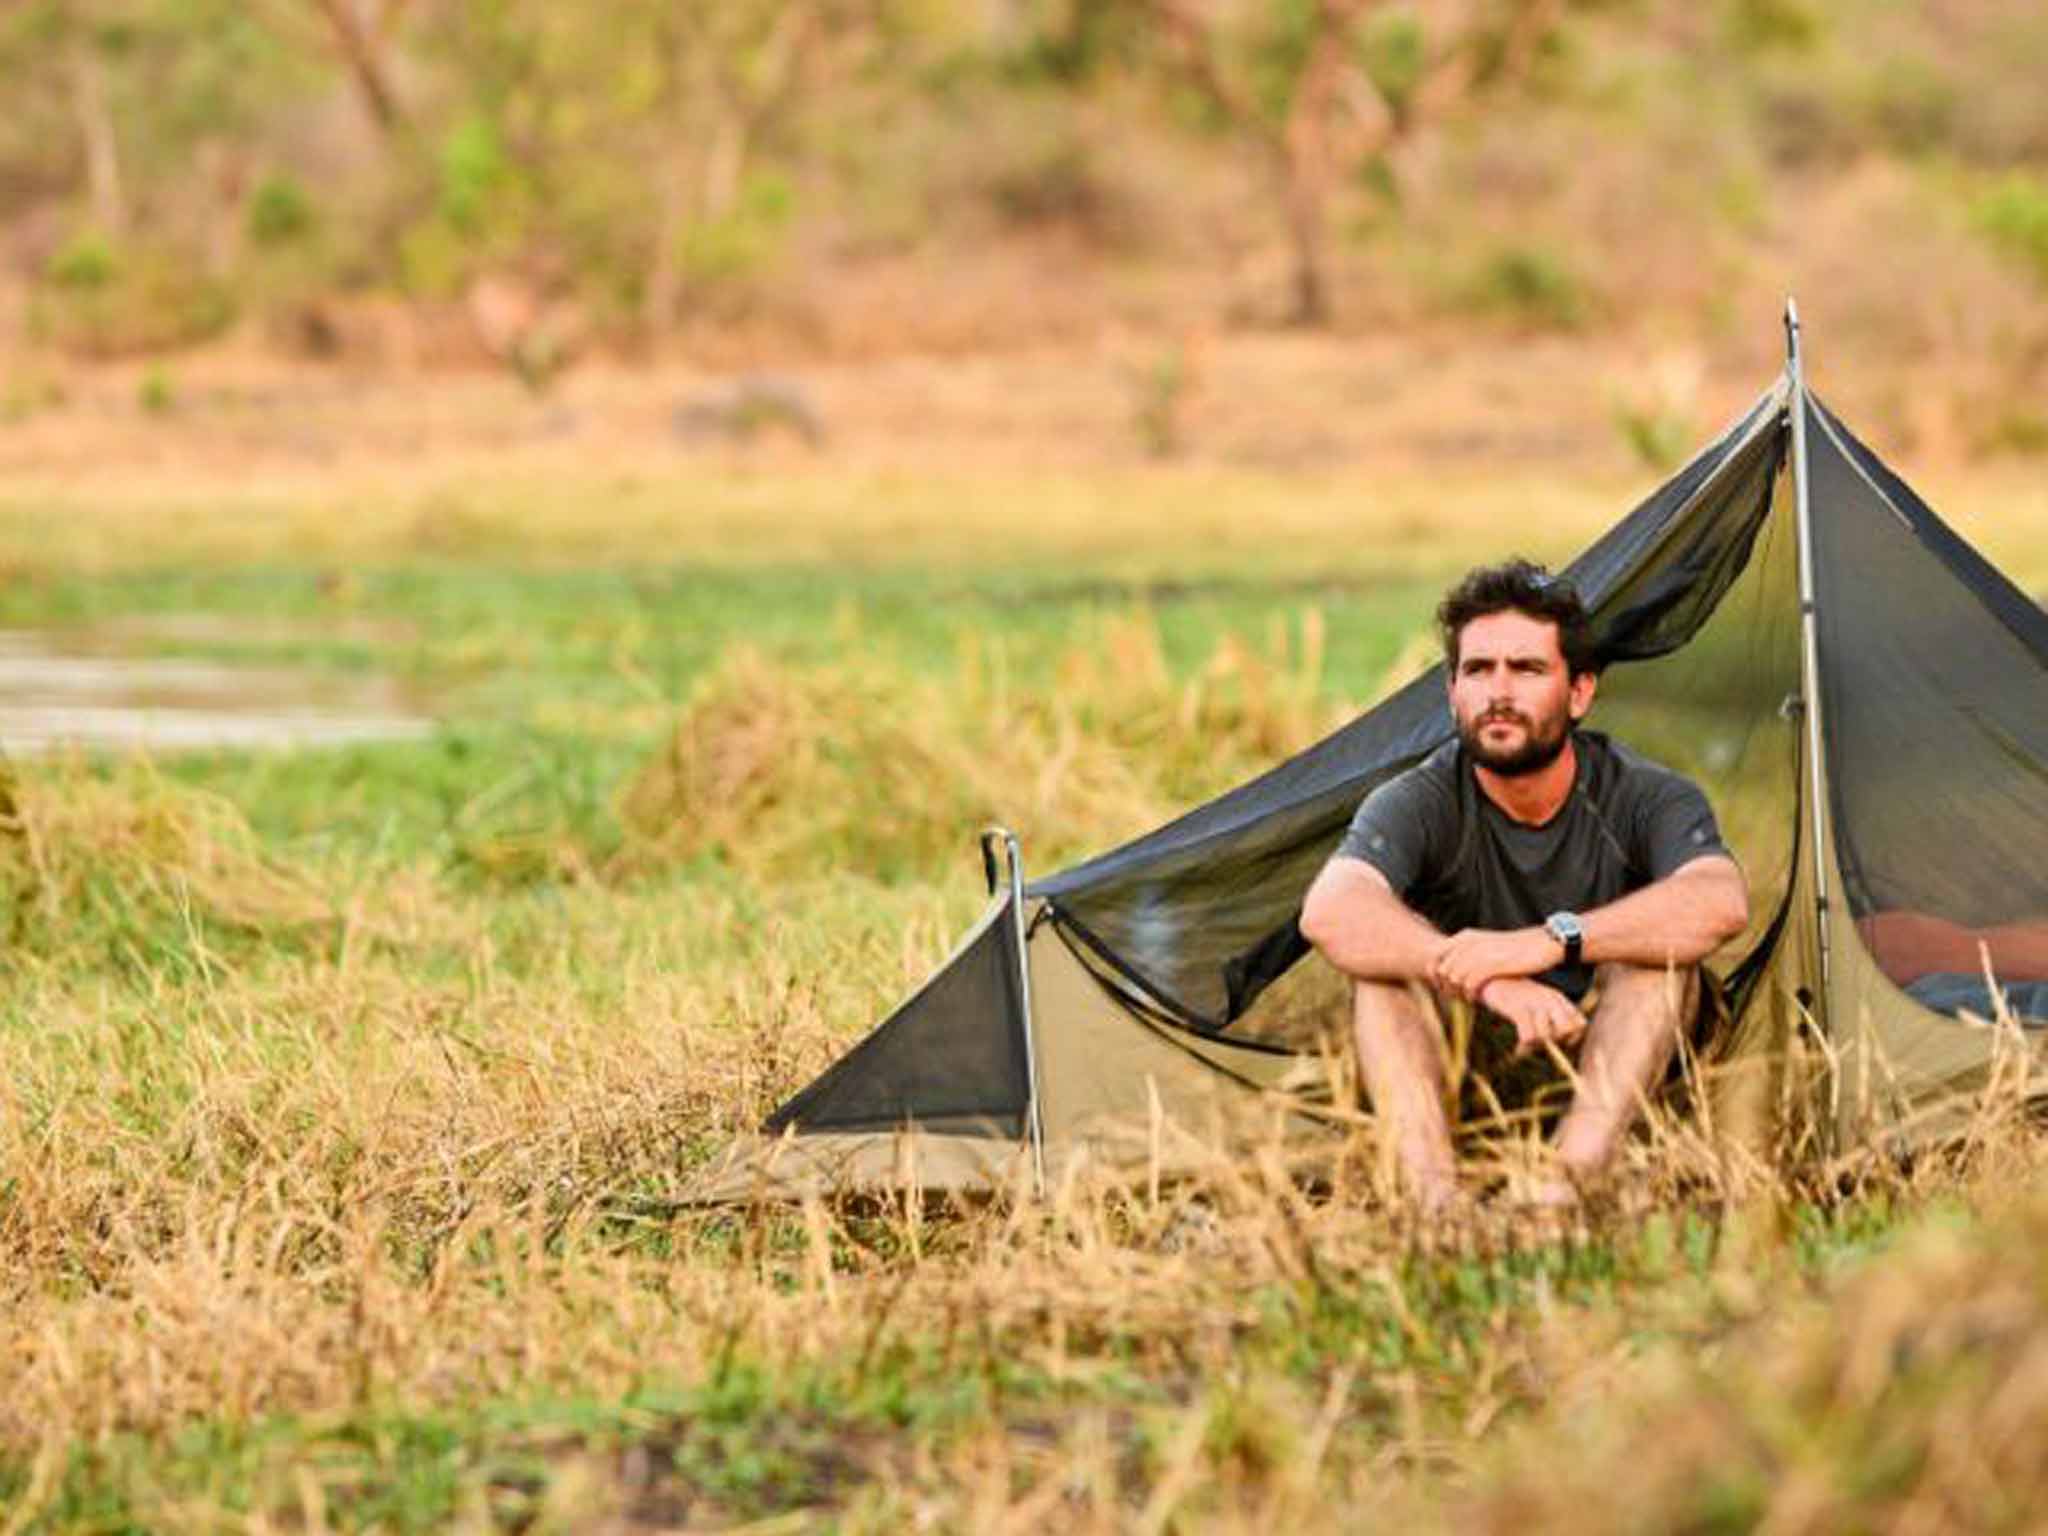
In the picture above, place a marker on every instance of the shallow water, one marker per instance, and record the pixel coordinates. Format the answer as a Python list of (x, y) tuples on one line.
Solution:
[(67, 691)]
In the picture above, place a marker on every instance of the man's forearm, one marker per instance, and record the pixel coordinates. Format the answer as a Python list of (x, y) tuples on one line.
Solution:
[(1680, 920), (1386, 942), (1369, 932)]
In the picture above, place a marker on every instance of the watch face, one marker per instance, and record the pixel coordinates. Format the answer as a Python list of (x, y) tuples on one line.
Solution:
[(1565, 926)]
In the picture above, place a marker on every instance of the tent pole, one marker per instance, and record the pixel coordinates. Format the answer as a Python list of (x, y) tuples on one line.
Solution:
[(1809, 632), (1035, 1117)]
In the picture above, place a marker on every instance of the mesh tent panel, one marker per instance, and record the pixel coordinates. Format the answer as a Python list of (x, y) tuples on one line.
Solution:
[(1716, 710), (1934, 673), (951, 1058)]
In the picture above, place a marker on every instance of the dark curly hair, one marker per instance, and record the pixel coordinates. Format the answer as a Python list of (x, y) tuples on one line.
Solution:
[(1518, 586)]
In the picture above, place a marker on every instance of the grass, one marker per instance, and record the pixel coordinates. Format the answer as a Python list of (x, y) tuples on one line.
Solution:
[(347, 1096)]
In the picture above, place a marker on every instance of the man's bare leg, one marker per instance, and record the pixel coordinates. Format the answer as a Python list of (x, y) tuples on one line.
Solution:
[(1628, 1045), (1401, 1053)]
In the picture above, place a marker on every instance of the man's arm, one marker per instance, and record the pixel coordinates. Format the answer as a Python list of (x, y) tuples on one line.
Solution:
[(1362, 928), (1676, 921)]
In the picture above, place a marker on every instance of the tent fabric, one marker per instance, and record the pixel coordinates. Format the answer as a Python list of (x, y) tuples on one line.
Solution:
[(1199, 916), (1932, 703), (1153, 967), (952, 1056), (1116, 1090)]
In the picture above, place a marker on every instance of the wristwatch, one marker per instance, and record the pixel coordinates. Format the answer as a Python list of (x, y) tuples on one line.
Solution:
[(1566, 928)]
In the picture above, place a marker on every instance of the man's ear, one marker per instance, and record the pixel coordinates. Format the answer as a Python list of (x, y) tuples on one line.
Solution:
[(1584, 686)]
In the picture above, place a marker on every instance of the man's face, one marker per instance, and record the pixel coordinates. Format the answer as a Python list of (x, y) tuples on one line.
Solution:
[(1513, 696)]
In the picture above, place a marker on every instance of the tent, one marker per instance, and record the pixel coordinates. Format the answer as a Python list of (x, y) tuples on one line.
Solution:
[(1863, 696)]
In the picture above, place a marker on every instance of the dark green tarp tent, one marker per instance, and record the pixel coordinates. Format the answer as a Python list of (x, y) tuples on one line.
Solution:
[(1862, 695)]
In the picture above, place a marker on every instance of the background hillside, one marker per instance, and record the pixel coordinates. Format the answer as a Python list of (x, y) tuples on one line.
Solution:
[(395, 184)]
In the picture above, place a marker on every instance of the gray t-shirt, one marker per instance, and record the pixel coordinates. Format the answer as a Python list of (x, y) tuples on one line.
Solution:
[(1460, 861)]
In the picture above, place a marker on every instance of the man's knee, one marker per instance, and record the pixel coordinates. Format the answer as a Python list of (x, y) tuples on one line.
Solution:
[(1392, 1015), (1667, 995), (1396, 1001)]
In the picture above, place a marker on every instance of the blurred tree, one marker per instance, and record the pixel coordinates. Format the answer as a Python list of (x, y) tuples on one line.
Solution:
[(641, 146), (55, 55), (363, 33), (729, 74), (1327, 90), (363, 36), (113, 107)]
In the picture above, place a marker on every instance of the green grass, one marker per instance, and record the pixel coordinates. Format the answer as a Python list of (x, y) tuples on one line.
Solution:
[(553, 684), (348, 1094), (763, 1436)]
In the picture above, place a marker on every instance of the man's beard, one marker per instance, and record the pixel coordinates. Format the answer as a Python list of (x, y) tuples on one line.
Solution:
[(1542, 743)]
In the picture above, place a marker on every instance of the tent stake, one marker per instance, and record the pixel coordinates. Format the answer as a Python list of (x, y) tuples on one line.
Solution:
[(1809, 634)]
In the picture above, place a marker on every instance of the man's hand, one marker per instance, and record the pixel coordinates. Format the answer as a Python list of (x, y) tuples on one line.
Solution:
[(1541, 1015), (1472, 957)]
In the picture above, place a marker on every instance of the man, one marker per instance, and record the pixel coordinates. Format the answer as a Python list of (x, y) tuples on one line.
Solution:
[(1528, 867)]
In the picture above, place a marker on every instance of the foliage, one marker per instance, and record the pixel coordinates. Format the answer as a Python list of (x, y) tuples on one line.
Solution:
[(2014, 215), (1527, 285), (664, 166), (280, 211), (104, 300), (87, 264), (1762, 25), (158, 391)]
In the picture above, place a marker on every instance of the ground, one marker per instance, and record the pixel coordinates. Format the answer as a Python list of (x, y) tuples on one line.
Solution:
[(348, 1092)]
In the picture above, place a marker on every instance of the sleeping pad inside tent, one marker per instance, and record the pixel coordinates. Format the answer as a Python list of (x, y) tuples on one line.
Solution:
[(1863, 697)]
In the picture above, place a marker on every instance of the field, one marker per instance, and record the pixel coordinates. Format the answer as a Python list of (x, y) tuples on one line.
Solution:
[(347, 1094)]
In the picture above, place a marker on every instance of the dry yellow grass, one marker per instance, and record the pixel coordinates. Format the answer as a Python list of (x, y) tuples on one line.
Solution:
[(1383, 455), (397, 1161), (323, 1177)]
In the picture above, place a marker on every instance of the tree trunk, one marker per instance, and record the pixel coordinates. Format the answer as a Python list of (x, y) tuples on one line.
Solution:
[(102, 144), (664, 271), (1307, 163), (359, 44), (1308, 235), (724, 164)]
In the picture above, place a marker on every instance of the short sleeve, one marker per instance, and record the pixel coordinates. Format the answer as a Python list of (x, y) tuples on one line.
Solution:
[(1674, 826), (1396, 828)]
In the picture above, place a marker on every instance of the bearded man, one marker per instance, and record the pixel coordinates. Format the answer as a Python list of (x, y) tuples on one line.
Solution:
[(1531, 867)]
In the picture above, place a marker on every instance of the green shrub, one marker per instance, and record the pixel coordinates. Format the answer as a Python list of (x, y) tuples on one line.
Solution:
[(1656, 434), (87, 263), (433, 260), (101, 301), (473, 166), (280, 212), (743, 241), (1530, 286), (2018, 430), (2014, 215), (1758, 26), (157, 394), (1057, 181), (1394, 54), (1911, 106)]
